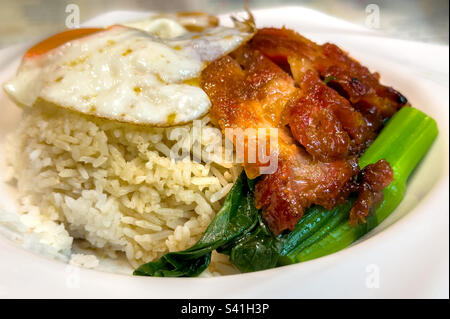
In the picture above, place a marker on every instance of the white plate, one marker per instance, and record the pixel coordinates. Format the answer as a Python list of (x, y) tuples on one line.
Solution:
[(408, 258)]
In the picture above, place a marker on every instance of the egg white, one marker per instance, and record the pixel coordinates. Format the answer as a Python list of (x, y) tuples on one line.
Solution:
[(128, 73)]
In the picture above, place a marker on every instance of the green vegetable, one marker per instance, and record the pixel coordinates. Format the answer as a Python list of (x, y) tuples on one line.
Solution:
[(403, 142), (237, 216), (318, 224), (258, 250)]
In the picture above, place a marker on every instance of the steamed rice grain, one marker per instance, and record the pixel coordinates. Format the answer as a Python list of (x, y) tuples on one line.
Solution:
[(114, 185)]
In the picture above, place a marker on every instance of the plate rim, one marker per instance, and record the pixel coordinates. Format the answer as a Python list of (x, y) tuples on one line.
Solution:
[(440, 188)]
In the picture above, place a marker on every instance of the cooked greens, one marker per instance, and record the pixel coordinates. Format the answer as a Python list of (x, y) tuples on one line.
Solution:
[(258, 250)]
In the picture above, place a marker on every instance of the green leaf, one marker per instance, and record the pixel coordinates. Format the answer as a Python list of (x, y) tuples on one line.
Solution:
[(175, 265), (258, 250)]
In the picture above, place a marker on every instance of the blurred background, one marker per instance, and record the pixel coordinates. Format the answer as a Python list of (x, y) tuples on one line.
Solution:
[(420, 20)]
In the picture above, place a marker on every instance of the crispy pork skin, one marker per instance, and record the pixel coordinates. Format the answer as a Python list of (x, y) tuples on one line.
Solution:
[(327, 109)]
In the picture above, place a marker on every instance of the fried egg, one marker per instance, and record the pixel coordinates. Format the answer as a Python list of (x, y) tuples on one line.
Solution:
[(144, 73)]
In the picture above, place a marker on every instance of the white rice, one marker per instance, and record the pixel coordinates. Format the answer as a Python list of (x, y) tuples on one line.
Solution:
[(113, 186)]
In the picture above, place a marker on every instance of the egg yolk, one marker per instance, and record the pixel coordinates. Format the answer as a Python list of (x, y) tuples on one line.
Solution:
[(59, 39)]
